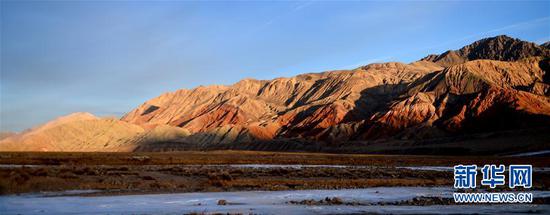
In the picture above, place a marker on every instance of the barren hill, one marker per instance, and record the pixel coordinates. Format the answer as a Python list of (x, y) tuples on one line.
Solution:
[(6, 134), (86, 132), (495, 91)]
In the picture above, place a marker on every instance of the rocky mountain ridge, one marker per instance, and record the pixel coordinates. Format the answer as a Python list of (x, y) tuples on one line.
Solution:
[(493, 85)]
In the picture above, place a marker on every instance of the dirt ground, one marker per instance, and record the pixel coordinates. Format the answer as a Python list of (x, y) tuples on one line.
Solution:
[(136, 173)]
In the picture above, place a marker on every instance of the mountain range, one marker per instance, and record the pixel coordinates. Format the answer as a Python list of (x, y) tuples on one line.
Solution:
[(489, 97)]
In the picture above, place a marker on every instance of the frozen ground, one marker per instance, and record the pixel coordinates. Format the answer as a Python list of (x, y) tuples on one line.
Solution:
[(258, 202)]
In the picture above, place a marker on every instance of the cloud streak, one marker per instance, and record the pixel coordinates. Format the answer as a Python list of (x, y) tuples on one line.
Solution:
[(296, 8)]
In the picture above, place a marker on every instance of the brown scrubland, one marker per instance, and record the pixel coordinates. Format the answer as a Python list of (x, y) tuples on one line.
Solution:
[(133, 173)]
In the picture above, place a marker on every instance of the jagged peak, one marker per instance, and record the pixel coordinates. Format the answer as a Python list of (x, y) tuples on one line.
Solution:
[(502, 37), (501, 47)]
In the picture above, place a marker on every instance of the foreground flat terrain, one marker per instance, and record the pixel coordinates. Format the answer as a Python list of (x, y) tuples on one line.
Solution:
[(167, 172), (375, 200), (252, 157)]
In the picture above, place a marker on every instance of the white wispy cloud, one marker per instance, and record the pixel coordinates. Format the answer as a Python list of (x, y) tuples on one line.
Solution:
[(299, 6)]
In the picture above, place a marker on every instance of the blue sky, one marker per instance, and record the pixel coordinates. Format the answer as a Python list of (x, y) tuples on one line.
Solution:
[(108, 57)]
